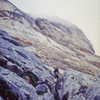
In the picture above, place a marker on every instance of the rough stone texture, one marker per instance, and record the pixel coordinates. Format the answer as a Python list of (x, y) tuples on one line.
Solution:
[(44, 93), (67, 44), (14, 58), (13, 87), (54, 42), (74, 85), (46, 96), (27, 61), (93, 92), (41, 89)]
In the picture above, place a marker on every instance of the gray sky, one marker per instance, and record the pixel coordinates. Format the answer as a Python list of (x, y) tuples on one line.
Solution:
[(83, 13)]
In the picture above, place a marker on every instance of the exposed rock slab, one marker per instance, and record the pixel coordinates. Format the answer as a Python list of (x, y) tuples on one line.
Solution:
[(13, 87), (17, 55), (74, 85), (17, 60)]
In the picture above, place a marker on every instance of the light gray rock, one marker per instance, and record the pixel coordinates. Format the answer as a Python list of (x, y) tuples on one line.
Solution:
[(22, 61), (13, 87), (19, 61), (93, 92), (74, 85)]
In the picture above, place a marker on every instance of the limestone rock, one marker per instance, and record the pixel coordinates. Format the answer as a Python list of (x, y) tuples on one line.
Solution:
[(74, 85), (17, 60), (27, 61), (13, 87)]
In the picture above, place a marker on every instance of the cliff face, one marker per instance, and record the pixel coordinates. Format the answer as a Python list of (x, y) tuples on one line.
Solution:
[(54, 42)]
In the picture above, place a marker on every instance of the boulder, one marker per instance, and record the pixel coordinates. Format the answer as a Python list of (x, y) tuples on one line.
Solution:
[(74, 85), (44, 92), (13, 87), (41, 89)]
